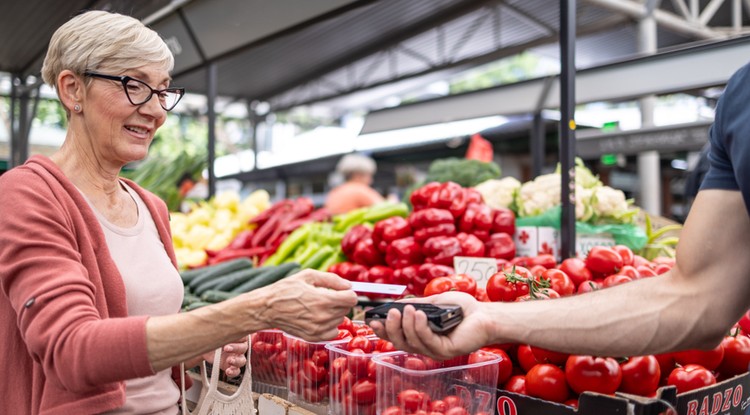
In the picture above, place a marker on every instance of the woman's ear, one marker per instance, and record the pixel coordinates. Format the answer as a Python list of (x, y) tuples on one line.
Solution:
[(70, 89)]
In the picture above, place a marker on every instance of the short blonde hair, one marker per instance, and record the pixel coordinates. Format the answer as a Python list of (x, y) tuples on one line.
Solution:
[(97, 40), (355, 163)]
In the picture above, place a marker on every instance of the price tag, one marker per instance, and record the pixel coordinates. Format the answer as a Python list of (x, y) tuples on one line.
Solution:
[(481, 269)]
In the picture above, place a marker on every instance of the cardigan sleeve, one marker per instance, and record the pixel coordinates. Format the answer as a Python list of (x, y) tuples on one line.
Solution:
[(51, 274)]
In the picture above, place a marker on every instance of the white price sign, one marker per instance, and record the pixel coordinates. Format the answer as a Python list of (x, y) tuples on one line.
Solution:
[(481, 269)]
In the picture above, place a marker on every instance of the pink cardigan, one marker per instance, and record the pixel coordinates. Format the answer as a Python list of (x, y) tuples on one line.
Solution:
[(67, 341)]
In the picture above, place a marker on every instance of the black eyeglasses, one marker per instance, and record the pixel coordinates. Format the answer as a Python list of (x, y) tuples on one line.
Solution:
[(139, 92)]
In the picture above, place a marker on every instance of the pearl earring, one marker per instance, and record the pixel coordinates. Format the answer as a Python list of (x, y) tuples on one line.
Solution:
[(77, 108)]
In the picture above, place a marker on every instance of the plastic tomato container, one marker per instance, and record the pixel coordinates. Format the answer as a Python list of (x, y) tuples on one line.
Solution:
[(352, 375), (410, 383), (268, 360), (307, 374)]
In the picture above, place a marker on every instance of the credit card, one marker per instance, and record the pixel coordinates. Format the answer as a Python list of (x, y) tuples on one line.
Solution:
[(376, 288)]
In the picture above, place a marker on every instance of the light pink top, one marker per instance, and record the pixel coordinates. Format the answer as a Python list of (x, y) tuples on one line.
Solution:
[(153, 287)]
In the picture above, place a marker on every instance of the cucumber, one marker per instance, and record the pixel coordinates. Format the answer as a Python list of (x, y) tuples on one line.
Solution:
[(293, 270), (190, 274), (267, 277), (216, 296), (197, 304), (231, 281), (188, 299), (214, 271)]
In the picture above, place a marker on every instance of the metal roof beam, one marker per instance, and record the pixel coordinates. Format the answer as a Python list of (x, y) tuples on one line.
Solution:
[(652, 75), (665, 19)]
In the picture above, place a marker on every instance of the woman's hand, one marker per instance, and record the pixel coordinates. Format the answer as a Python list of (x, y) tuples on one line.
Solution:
[(310, 304), (233, 357)]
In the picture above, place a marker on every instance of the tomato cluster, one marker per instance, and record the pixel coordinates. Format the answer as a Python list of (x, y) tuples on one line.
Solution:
[(308, 364), (353, 374), (410, 384), (268, 357)]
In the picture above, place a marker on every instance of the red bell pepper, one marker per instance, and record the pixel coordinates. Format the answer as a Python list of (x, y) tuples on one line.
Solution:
[(366, 254), (426, 273), (380, 274), (388, 230), (471, 245), (431, 222), (441, 249), (504, 220), (450, 196), (355, 234), (500, 246), (405, 275), (473, 196), (403, 252), (420, 198), (348, 270), (478, 217)]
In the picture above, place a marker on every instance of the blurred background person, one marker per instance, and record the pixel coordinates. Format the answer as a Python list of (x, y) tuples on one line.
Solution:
[(356, 191)]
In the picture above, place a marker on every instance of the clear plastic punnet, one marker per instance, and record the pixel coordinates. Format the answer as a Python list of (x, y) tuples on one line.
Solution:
[(410, 383), (268, 362)]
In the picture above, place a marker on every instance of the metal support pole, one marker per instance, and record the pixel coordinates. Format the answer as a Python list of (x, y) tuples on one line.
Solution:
[(13, 121), (20, 120), (211, 81), (649, 166), (255, 120), (567, 128), (537, 144)]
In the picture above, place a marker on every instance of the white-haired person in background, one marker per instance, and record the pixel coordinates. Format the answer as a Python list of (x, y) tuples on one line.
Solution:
[(89, 311), (356, 192)]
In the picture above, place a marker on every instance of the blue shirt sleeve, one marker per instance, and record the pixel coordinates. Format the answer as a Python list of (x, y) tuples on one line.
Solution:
[(730, 139)]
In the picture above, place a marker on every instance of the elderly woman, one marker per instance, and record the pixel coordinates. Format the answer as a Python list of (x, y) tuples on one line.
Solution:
[(90, 291)]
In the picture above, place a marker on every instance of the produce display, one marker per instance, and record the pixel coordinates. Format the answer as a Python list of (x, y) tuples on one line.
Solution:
[(210, 226)]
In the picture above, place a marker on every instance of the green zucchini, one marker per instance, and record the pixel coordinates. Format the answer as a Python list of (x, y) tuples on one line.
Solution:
[(216, 296), (267, 277), (317, 258), (188, 299), (214, 271), (197, 304)]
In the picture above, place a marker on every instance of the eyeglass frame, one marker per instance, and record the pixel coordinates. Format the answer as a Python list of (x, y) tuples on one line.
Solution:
[(124, 81)]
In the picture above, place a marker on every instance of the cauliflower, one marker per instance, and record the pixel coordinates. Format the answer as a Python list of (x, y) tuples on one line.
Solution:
[(537, 196), (499, 193), (610, 206), (584, 210)]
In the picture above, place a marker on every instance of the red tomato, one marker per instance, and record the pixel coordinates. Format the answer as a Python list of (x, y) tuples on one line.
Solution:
[(615, 279), (338, 366), (545, 260), (572, 402), (547, 381), (357, 363), (525, 357), (537, 270), (630, 271), (639, 260), (589, 286), (744, 322), (453, 401), (662, 268), (363, 391), (710, 359), (603, 260), (499, 289), (360, 342), (666, 365), (645, 271), (596, 374), (414, 363), (320, 357), (346, 324), (343, 334), (438, 406), (640, 375), (313, 373), (439, 285), (481, 295), (625, 253), (736, 356), (413, 400), (543, 294), (517, 384), (559, 281), (504, 366), (690, 377), (548, 356), (384, 346), (576, 269), (465, 283)]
